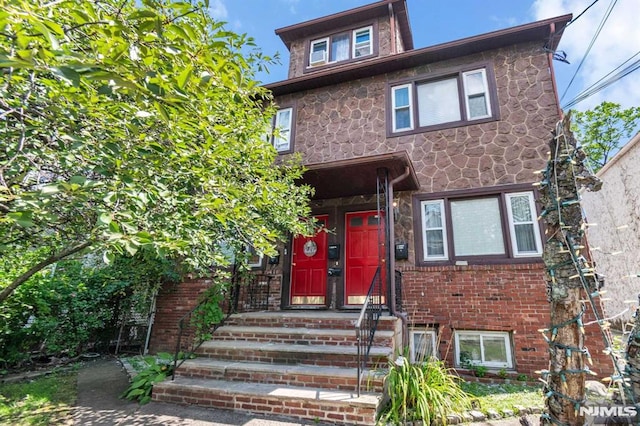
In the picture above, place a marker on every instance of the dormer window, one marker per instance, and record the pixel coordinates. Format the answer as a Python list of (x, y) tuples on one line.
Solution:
[(341, 47)]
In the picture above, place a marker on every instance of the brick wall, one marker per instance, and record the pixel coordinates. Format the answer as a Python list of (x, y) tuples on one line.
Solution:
[(509, 298), (173, 301)]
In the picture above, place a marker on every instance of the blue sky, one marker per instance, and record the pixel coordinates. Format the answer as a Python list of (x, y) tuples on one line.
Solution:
[(438, 21)]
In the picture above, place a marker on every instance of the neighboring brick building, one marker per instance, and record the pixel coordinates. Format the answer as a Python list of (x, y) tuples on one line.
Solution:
[(446, 139)]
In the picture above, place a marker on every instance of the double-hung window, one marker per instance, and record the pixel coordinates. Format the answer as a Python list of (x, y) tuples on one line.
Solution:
[(341, 47), (487, 348), (447, 100), (284, 126), (498, 225)]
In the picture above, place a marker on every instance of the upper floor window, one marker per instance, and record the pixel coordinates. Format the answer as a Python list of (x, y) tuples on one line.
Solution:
[(491, 225), (282, 139), (447, 100), (341, 47)]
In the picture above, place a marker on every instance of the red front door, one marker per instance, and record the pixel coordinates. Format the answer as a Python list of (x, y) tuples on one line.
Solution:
[(362, 254), (309, 268)]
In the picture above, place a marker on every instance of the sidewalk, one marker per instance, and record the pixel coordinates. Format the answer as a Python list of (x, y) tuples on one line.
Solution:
[(101, 382)]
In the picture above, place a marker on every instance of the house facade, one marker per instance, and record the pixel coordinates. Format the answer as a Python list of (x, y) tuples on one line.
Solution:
[(423, 163)]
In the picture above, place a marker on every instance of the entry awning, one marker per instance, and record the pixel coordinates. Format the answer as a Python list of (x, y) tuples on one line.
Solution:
[(358, 176)]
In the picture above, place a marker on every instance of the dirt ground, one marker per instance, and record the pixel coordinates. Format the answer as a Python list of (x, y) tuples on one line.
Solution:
[(101, 382)]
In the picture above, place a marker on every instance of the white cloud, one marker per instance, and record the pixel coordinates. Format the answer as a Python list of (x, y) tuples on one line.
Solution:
[(292, 5), (617, 42), (218, 10)]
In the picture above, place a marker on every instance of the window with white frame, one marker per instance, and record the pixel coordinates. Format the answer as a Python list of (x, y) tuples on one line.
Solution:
[(422, 344), (341, 47), (283, 124), (486, 348), (455, 98), (462, 227), (401, 105), (523, 225), (254, 259)]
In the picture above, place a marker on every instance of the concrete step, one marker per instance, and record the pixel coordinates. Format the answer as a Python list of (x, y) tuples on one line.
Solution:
[(299, 335), (292, 354), (335, 378), (271, 399)]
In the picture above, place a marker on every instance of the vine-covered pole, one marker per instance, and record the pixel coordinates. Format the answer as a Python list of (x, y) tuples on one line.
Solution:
[(632, 368), (566, 270)]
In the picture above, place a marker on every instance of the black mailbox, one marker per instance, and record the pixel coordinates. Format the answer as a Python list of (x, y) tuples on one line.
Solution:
[(402, 251), (274, 260), (333, 252), (335, 272)]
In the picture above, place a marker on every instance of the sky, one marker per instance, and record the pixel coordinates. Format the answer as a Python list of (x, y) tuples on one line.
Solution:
[(438, 21)]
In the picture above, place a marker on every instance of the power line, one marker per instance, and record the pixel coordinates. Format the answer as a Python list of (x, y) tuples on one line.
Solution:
[(593, 39), (604, 84), (605, 76)]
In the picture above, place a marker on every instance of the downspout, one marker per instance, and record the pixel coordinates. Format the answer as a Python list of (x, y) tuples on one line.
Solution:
[(392, 258), (392, 25), (552, 72)]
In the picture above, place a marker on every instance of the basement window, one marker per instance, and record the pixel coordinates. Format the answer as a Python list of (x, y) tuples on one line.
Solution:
[(486, 348)]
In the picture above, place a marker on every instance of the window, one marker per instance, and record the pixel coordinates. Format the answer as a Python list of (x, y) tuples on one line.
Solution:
[(435, 237), (522, 225), (341, 47), (284, 124), (402, 118), (487, 348), (362, 45), (254, 259), (422, 345), (461, 227), (451, 99)]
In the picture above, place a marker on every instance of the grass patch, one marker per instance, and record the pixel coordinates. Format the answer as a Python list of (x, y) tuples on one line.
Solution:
[(43, 401), (504, 396)]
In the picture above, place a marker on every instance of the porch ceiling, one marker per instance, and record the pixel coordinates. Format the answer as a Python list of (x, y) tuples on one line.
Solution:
[(357, 176)]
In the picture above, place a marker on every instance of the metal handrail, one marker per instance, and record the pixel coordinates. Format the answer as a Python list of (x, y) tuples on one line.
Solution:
[(367, 323)]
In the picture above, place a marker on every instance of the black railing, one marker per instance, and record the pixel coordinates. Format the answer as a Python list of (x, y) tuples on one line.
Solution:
[(368, 322), (247, 293)]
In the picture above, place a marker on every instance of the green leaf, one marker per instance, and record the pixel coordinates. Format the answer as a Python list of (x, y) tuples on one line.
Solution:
[(108, 257), (105, 219), (68, 74), (184, 77), (24, 219), (79, 180)]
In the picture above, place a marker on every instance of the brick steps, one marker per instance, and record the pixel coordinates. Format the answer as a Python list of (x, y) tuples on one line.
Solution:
[(307, 319), (281, 353), (298, 335), (334, 378), (299, 364), (303, 403)]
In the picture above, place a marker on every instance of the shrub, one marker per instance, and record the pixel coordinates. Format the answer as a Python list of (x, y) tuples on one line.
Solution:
[(158, 368), (424, 391), (75, 305)]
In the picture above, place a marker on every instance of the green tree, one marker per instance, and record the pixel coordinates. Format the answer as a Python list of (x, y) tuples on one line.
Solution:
[(603, 130), (128, 124)]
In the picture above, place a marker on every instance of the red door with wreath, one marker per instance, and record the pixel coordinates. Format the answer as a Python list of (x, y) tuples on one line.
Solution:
[(309, 267)]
